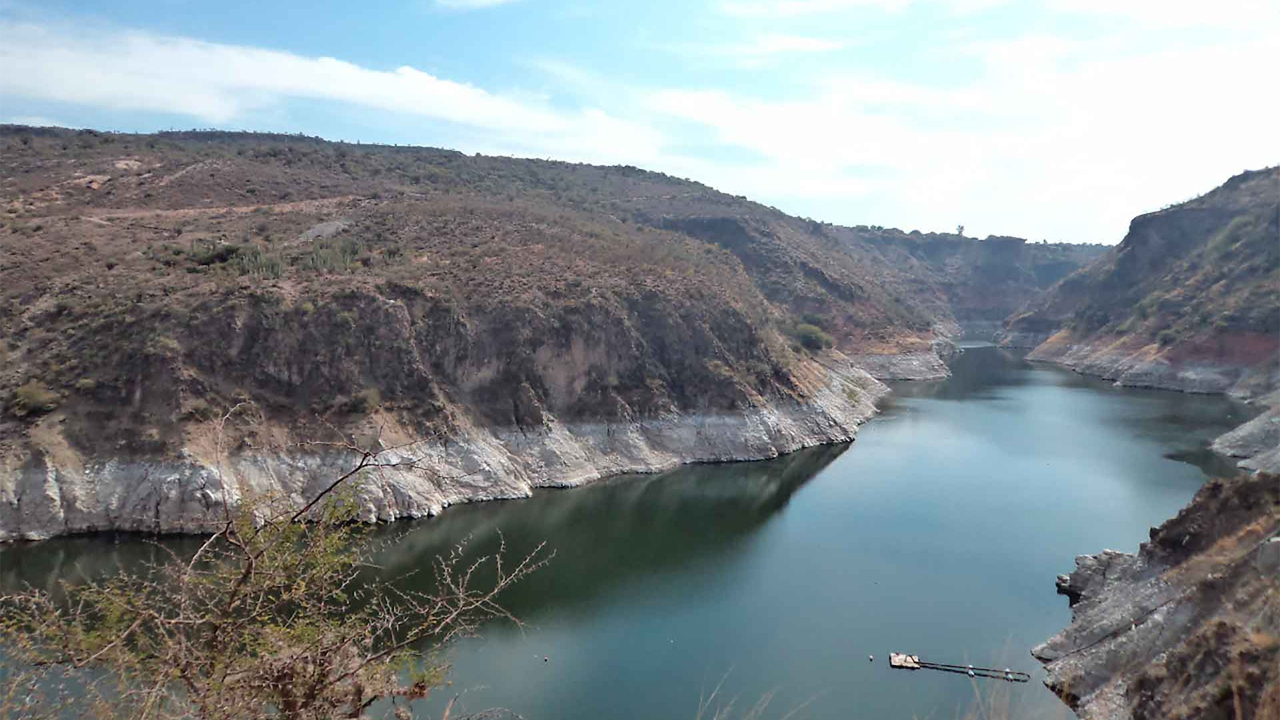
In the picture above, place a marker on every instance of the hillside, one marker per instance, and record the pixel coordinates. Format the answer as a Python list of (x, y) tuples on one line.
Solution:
[(1189, 300), (506, 323), (1185, 628)]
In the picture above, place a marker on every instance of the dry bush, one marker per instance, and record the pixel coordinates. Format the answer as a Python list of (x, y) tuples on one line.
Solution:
[(273, 616)]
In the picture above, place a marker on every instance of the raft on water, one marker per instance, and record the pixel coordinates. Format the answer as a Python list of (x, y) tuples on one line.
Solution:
[(903, 661)]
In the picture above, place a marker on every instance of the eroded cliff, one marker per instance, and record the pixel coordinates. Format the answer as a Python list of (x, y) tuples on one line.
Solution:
[(1189, 627), (1189, 300)]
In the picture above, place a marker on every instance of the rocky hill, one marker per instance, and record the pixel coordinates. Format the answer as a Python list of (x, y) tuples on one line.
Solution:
[(485, 324), (1188, 627), (1189, 300)]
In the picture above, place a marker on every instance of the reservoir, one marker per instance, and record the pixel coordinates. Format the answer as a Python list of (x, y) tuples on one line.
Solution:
[(939, 532)]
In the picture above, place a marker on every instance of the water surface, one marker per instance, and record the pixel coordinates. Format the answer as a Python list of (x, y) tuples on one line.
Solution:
[(939, 532)]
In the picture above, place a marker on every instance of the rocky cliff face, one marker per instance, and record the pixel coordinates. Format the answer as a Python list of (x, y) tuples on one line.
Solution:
[(190, 317), (1256, 443), (1189, 300), (59, 488), (1189, 627)]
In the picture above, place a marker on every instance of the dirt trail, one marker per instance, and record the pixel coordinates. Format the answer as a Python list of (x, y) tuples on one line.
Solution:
[(315, 205)]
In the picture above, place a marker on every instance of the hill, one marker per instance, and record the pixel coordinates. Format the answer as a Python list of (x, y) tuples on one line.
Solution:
[(1189, 300), (503, 323)]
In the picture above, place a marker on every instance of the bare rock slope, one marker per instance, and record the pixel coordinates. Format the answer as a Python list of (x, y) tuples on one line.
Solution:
[(1189, 627), (1189, 300)]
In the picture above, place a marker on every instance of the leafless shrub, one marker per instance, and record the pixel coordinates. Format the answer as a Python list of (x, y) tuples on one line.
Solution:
[(273, 616)]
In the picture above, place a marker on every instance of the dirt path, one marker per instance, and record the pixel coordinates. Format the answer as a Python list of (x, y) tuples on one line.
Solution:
[(319, 204)]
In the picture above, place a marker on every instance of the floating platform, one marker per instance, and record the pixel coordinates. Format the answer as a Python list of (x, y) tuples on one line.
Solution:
[(903, 661)]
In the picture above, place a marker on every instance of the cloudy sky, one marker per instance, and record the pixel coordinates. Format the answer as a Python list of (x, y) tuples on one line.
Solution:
[(1049, 119)]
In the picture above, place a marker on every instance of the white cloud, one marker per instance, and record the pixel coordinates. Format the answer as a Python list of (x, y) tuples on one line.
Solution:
[(221, 84), (773, 44), (1179, 13), (1052, 137), (37, 121)]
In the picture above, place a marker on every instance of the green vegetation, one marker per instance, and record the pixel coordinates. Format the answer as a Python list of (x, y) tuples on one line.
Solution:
[(216, 255), (335, 255), (812, 337), (252, 260), (33, 398)]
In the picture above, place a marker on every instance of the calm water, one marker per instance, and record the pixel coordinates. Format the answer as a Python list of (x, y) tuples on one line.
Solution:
[(939, 532)]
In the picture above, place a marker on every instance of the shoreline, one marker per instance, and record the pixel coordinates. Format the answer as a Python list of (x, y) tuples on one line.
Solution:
[(58, 493)]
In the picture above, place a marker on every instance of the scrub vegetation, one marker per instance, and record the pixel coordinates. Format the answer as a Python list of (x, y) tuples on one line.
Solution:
[(207, 267), (273, 616)]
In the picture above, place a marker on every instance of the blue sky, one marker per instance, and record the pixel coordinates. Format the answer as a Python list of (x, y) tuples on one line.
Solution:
[(1049, 119)]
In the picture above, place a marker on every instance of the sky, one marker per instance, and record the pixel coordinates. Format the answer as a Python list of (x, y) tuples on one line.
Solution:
[(1045, 119)]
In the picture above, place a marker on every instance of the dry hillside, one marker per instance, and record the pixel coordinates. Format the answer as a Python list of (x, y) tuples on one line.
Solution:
[(161, 277), (1189, 300)]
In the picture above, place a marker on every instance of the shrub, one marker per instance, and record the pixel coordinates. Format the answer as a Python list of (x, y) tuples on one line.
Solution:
[(330, 255), (263, 620), (812, 337), (1167, 337), (219, 254), (253, 261), (365, 401), (34, 398)]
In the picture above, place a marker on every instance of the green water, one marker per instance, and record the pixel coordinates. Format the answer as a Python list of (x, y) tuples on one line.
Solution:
[(939, 532)]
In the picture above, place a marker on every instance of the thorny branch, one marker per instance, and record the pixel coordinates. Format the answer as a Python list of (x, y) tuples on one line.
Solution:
[(275, 614)]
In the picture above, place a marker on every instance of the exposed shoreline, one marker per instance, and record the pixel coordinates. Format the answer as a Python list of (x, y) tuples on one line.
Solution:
[(60, 493), (1184, 627), (1179, 624)]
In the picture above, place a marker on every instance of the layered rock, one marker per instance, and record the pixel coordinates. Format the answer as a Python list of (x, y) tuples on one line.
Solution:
[(1189, 627), (1256, 443), (59, 490), (1189, 300)]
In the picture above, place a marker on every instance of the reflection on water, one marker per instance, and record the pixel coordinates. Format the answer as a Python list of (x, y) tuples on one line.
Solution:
[(939, 532), (617, 530), (976, 374)]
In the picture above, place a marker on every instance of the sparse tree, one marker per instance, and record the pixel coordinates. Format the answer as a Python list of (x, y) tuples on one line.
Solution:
[(273, 616), (960, 230)]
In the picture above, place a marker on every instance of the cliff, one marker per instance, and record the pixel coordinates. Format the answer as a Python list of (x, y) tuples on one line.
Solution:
[(1189, 300), (484, 325), (1188, 627)]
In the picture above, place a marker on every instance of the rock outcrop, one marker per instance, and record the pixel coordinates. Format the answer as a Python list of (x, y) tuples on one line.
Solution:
[(1189, 627), (59, 491), (1256, 443), (1189, 300)]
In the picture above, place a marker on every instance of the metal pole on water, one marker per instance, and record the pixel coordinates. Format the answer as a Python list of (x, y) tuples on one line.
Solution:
[(902, 661)]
